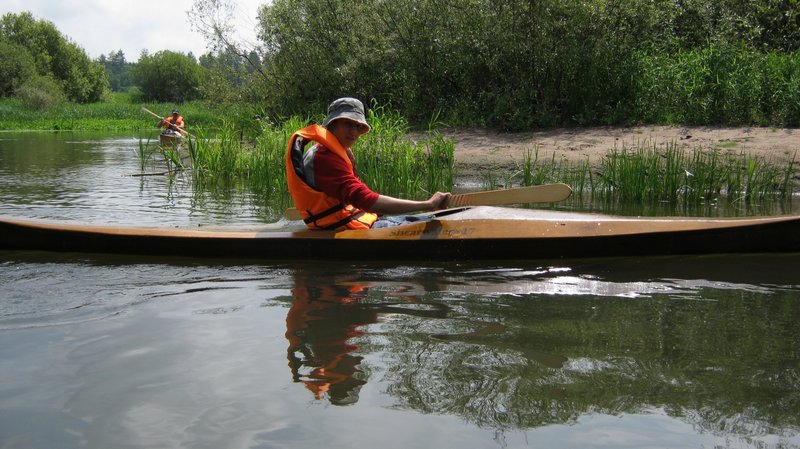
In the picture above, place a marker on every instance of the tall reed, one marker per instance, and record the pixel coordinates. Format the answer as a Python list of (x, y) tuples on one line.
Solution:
[(386, 159), (665, 174), (392, 164), (144, 153), (717, 84)]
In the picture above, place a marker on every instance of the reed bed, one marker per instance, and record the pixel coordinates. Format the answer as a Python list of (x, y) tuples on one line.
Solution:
[(670, 174), (392, 164), (385, 159), (665, 174), (644, 174)]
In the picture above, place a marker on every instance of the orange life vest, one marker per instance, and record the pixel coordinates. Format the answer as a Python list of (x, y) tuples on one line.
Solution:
[(320, 211), (172, 121)]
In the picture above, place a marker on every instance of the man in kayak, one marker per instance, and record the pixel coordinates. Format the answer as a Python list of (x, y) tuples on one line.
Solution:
[(323, 181), (173, 124)]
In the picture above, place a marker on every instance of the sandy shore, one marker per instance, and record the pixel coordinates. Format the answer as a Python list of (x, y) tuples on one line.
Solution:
[(480, 150)]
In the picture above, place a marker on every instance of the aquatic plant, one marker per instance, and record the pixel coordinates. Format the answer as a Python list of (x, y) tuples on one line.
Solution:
[(385, 158), (647, 173)]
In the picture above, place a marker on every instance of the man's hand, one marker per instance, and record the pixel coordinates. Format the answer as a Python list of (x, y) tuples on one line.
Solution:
[(439, 200)]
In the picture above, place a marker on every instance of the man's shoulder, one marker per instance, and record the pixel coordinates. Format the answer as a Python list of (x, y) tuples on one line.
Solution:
[(326, 157), (323, 151)]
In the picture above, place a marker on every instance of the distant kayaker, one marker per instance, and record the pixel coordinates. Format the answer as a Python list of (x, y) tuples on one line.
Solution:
[(173, 123), (323, 181)]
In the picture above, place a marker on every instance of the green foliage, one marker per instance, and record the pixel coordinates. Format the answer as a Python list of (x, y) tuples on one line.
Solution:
[(54, 56), (386, 159), (518, 64), (120, 78), (168, 76), (718, 84), (16, 66), (40, 93)]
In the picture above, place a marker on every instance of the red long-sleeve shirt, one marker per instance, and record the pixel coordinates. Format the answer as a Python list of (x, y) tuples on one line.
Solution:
[(334, 177)]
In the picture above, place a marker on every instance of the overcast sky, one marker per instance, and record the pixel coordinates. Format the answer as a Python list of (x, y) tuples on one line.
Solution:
[(100, 27)]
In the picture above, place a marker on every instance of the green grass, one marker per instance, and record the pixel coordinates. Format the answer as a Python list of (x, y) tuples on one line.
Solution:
[(649, 174), (387, 161), (718, 84), (231, 145), (120, 113)]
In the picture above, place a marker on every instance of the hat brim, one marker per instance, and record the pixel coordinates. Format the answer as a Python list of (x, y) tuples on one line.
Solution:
[(348, 115)]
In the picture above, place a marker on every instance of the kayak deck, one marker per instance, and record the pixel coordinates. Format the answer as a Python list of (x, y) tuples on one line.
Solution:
[(482, 232)]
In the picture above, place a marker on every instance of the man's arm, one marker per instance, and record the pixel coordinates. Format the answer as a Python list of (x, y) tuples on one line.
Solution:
[(389, 205)]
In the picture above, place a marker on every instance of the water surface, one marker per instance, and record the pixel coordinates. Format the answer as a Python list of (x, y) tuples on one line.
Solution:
[(101, 351)]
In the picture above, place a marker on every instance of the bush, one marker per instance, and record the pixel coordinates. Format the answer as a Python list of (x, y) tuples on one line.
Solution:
[(168, 76), (53, 55), (40, 93), (16, 66)]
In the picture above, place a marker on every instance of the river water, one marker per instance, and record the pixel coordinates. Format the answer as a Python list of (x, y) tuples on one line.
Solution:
[(102, 351)]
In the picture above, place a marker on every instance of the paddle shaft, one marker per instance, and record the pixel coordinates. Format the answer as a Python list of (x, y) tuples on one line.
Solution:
[(163, 119), (546, 193)]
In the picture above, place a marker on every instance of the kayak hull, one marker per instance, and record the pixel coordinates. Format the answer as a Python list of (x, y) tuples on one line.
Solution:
[(470, 234), (169, 140)]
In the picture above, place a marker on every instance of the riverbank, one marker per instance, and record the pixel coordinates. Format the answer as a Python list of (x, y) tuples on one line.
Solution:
[(478, 151)]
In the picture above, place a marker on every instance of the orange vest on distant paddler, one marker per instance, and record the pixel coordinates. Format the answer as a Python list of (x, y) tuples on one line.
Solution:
[(177, 122), (320, 211)]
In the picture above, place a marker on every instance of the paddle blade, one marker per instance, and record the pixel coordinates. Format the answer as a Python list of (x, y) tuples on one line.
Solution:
[(292, 214), (546, 193)]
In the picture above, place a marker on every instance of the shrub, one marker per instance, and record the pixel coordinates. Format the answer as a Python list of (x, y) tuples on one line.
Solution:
[(40, 93)]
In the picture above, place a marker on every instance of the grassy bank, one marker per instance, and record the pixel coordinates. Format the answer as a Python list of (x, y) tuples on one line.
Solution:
[(663, 174), (232, 145), (119, 113), (392, 164)]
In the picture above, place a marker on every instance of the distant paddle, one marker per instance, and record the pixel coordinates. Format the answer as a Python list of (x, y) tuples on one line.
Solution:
[(546, 193)]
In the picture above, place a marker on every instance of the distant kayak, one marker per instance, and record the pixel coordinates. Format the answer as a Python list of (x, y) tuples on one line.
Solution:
[(170, 139)]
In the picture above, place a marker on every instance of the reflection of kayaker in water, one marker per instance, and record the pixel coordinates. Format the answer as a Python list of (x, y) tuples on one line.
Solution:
[(319, 325), (326, 315)]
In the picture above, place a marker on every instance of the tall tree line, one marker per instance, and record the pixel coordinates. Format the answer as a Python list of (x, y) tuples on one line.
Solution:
[(119, 70), (34, 53), (520, 63)]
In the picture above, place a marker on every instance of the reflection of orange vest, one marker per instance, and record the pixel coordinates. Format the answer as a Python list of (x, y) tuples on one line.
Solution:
[(327, 355), (320, 211)]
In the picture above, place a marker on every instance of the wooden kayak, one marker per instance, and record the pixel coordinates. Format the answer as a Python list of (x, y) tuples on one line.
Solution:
[(169, 140), (482, 232)]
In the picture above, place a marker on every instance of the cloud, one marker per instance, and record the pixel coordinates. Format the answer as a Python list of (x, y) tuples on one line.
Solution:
[(100, 27)]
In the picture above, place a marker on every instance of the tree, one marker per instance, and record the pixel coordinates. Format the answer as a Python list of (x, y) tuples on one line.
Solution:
[(16, 66), (53, 55), (215, 21), (168, 76), (118, 69)]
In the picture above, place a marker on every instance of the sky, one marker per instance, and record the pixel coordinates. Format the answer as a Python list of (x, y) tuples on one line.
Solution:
[(102, 27)]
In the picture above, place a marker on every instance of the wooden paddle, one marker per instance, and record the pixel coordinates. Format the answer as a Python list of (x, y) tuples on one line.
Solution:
[(163, 119), (546, 193)]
